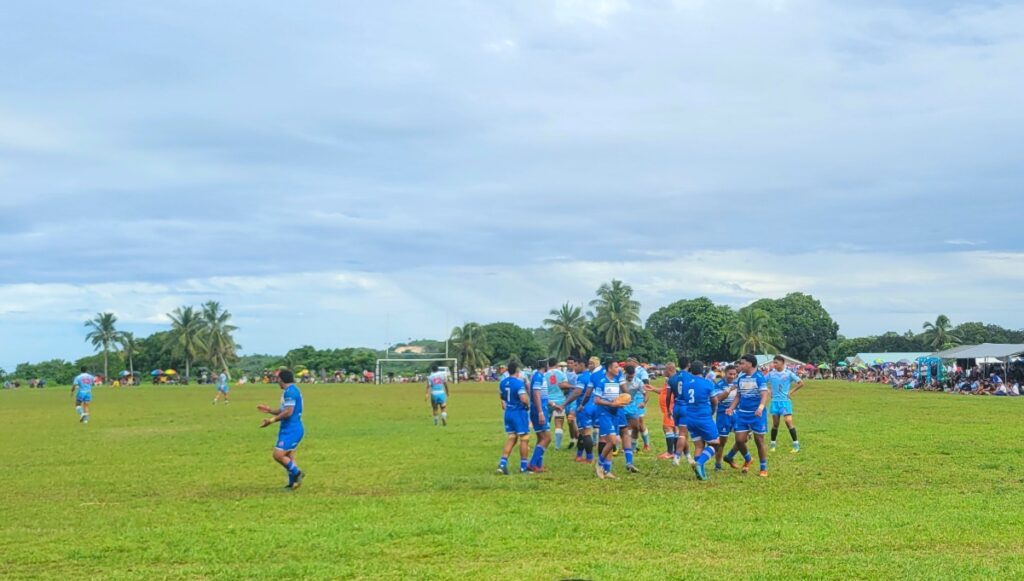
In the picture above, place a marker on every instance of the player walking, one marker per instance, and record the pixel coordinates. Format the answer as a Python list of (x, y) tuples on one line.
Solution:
[(784, 384), (516, 405), (289, 415), (437, 393), (81, 388), (222, 386), (727, 387), (750, 409), (538, 394)]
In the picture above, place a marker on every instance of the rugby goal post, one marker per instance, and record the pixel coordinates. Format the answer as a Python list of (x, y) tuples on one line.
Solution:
[(381, 363)]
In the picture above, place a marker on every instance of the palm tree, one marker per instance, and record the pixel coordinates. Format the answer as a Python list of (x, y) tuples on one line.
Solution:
[(471, 346), (617, 315), (939, 335), (187, 336), (753, 332), (104, 335), (569, 327), (220, 345), (129, 349)]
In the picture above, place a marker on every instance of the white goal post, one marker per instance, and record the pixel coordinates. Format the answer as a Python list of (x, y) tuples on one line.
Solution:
[(381, 363)]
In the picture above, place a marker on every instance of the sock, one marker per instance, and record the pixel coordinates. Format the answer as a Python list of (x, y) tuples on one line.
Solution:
[(292, 468), (588, 443), (503, 463), (540, 461), (629, 456), (775, 435), (647, 439), (707, 454), (558, 439), (600, 449), (580, 444), (607, 465), (792, 434), (78, 410), (522, 465), (730, 454), (764, 465), (670, 443), (435, 420), (748, 458), (444, 417)]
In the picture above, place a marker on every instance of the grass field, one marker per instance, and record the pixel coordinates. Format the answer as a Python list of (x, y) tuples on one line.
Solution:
[(161, 484)]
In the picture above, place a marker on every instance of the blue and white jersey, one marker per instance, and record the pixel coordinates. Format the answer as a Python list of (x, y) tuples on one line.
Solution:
[(751, 387), (292, 398), (222, 380), (995, 379), (539, 385), (84, 383), (554, 379), (723, 386), (436, 382), (582, 382), (699, 392), (604, 388), (781, 382), (635, 389), (510, 389)]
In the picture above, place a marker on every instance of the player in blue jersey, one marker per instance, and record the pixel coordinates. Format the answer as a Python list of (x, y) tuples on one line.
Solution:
[(81, 389), (701, 396), (556, 383), (538, 393), (634, 413), (751, 411), (784, 383), (289, 415), (571, 402), (645, 379), (677, 403), (586, 410), (579, 377), (222, 386), (727, 388), (516, 405), (607, 387), (437, 394)]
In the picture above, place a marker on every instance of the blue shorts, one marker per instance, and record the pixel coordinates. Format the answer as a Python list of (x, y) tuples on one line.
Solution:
[(781, 408), (748, 422), (517, 421), (439, 399), (610, 420), (288, 440), (570, 410), (725, 423), (586, 417), (83, 398), (223, 390), (634, 412), (679, 416), (535, 420), (702, 429)]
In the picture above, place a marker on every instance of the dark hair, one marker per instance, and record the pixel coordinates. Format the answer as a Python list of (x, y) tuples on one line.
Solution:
[(513, 366), (542, 364), (434, 367), (570, 359), (729, 368), (608, 361), (286, 376), (84, 369), (697, 368), (751, 359), (779, 358), (630, 369), (684, 362), (552, 361)]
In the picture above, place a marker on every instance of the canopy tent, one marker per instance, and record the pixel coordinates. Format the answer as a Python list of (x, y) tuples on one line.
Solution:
[(931, 368), (1000, 351), (763, 360), (883, 358)]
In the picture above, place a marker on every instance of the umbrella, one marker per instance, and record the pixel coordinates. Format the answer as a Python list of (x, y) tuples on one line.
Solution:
[(809, 366), (879, 361), (303, 373), (841, 364), (170, 372), (124, 374), (904, 362), (155, 372), (823, 366)]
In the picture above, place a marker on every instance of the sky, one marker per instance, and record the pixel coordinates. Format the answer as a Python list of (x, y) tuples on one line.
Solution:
[(361, 173)]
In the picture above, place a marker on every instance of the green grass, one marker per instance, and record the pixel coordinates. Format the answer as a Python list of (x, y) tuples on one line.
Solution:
[(163, 485)]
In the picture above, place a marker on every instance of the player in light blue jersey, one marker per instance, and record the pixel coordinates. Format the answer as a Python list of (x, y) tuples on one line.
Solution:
[(728, 388), (645, 379), (222, 386), (289, 415), (751, 411), (637, 390), (538, 392), (784, 383), (557, 383), (81, 389), (437, 394), (607, 389), (516, 405)]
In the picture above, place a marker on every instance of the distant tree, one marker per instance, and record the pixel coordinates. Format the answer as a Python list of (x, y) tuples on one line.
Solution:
[(188, 334), (220, 343), (752, 332), (697, 327), (129, 349), (103, 336), (568, 326), (647, 349), (508, 340), (616, 315), (471, 348), (802, 320), (939, 335)]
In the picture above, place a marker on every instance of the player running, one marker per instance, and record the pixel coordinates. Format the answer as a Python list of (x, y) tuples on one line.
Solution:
[(727, 387), (784, 384), (81, 388), (516, 404), (750, 409), (437, 393), (222, 386), (289, 415), (538, 394)]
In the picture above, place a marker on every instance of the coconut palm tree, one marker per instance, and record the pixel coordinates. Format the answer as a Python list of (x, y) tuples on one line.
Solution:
[(220, 344), (188, 334), (129, 349), (939, 335), (568, 326), (753, 332), (103, 335), (471, 346), (616, 315)]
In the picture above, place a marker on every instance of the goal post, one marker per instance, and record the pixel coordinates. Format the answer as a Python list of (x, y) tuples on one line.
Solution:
[(383, 362)]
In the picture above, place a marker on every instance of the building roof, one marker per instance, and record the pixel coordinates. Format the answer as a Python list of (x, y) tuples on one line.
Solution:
[(876, 358), (985, 350)]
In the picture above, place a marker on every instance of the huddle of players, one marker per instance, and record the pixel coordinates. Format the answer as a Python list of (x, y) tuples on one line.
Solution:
[(602, 396)]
